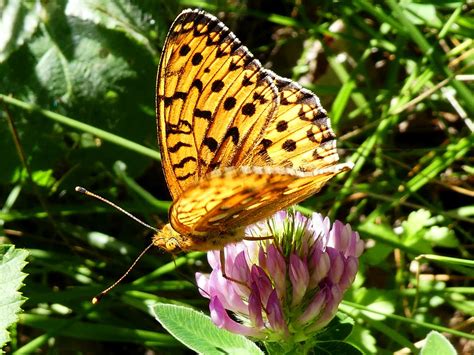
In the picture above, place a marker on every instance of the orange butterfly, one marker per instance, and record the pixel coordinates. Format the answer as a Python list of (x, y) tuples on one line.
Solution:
[(238, 142)]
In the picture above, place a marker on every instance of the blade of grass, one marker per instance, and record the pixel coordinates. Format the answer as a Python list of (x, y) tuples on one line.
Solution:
[(99, 332), (454, 151), (349, 307), (100, 133)]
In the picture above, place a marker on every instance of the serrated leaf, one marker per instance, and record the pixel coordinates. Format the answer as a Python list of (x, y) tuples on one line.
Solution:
[(196, 331), (74, 76), (12, 262), (18, 22), (436, 343)]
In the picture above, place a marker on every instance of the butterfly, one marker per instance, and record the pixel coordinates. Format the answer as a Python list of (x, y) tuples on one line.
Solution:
[(238, 142)]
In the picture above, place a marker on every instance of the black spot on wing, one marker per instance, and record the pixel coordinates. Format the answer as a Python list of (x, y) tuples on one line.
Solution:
[(197, 84), (184, 50), (282, 126), (180, 95), (182, 127), (178, 146), (211, 143), (247, 81), (217, 85), (289, 145), (185, 177), (248, 109), (197, 58), (229, 103), (259, 97), (203, 114), (265, 143), (234, 134), (183, 162)]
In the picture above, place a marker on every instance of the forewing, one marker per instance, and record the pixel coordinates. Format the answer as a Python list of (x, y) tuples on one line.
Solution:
[(299, 134), (213, 100), (235, 197)]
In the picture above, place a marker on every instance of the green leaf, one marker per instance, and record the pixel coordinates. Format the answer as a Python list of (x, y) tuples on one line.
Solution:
[(43, 178), (120, 16), (442, 236), (336, 330), (196, 331), (363, 339), (421, 14), (436, 343), (336, 347), (18, 22), (416, 221), (12, 262)]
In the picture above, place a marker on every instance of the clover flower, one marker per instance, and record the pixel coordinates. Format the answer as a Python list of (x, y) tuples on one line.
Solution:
[(288, 286)]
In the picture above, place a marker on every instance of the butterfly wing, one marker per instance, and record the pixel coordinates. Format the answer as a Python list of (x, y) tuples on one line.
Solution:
[(299, 135), (238, 142), (213, 99), (234, 197)]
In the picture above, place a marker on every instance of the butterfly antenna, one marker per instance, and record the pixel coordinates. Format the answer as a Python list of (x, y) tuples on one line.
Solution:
[(97, 298), (100, 198)]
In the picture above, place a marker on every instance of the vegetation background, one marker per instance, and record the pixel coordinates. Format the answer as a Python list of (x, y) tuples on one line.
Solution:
[(77, 79)]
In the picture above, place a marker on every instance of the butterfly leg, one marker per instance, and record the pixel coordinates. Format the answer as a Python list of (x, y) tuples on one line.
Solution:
[(222, 260), (259, 238)]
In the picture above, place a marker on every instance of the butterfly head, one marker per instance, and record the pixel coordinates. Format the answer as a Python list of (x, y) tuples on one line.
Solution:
[(168, 239)]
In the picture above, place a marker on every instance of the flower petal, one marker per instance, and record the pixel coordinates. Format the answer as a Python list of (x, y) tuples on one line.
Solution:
[(220, 318), (224, 289), (336, 236), (337, 265), (213, 258), (356, 246), (240, 271), (255, 307), (202, 281), (262, 281), (299, 277), (275, 314), (333, 298), (276, 266), (314, 308), (350, 271), (320, 264)]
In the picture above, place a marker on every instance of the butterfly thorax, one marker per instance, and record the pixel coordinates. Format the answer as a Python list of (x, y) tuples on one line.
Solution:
[(173, 242)]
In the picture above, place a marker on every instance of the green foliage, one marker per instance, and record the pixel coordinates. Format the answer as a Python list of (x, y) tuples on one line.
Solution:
[(336, 347), (12, 262), (77, 80), (19, 21), (436, 343), (419, 231), (197, 332)]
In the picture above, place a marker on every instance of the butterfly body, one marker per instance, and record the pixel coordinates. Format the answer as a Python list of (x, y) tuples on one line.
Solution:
[(238, 142), (173, 242)]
